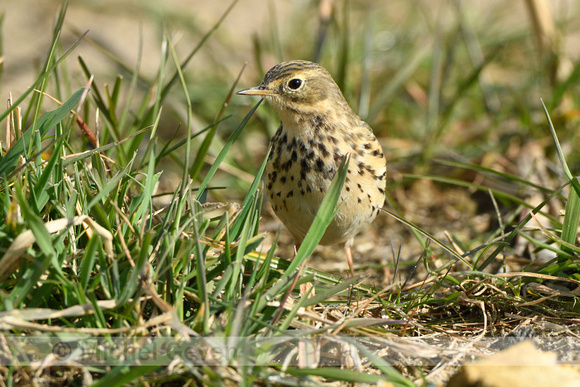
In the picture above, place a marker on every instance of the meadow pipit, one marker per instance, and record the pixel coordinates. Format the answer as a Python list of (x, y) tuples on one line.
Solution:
[(318, 130)]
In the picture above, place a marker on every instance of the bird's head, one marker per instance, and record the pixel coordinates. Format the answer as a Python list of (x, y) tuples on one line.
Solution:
[(299, 87)]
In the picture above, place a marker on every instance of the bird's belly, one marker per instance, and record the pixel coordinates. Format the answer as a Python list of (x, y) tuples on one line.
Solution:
[(296, 198)]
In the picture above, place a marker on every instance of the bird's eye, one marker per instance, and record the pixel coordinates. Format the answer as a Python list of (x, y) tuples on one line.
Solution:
[(294, 83)]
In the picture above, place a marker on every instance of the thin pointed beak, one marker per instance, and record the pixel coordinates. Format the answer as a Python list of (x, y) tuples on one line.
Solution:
[(258, 90)]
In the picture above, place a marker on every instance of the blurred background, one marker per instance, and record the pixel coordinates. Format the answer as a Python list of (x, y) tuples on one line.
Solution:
[(441, 82)]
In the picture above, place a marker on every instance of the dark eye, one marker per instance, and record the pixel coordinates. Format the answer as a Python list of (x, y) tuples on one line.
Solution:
[(294, 83)]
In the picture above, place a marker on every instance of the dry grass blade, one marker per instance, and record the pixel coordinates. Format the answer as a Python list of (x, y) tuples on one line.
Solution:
[(46, 314), (546, 34), (10, 322), (27, 238)]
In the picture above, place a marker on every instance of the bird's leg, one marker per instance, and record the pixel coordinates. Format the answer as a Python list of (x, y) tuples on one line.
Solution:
[(348, 252), (305, 287)]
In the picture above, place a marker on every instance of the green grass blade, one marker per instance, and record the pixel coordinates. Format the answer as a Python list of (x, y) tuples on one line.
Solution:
[(429, 236), (387, 369), (168, 150), (42, 185), (515, 231), (88, 262), (322, 220), (201, 273), (398, 80), (45, 123), (571, 220), (222, 155), (110, 185), (503, 175), (181, 78), (237, 225), (125, 375), (40, 79), (462, 183), (83, 155), (334, 373), (165, 90), (331, 291), (43, 241), (134, 280), (203, 149), (572, 217)]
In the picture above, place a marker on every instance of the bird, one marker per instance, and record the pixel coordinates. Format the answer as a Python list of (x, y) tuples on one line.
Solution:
[(318, 130)]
